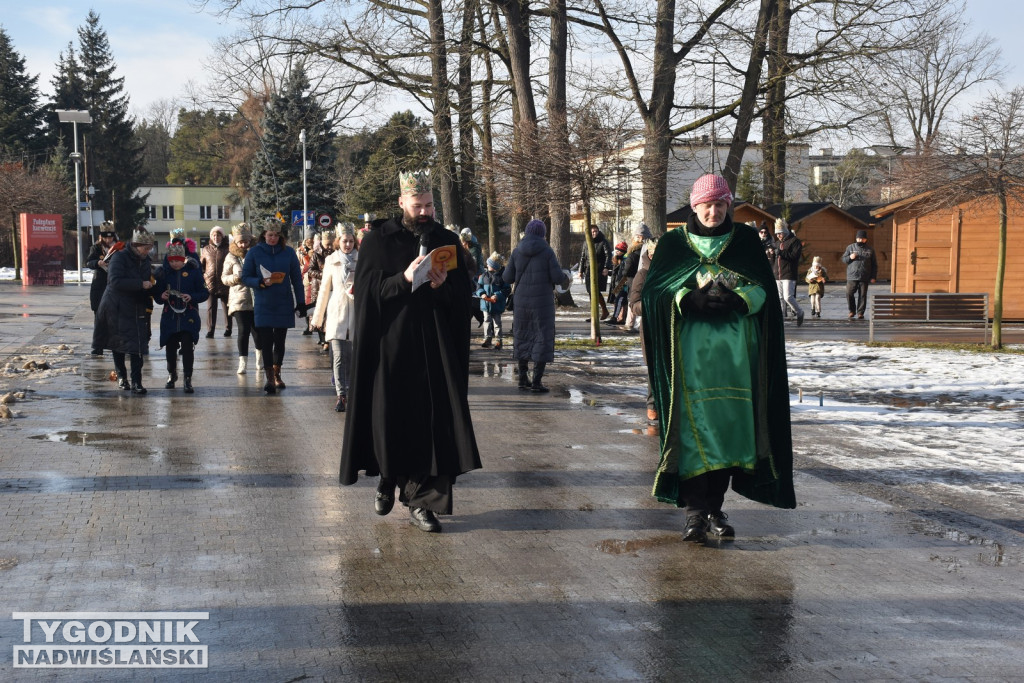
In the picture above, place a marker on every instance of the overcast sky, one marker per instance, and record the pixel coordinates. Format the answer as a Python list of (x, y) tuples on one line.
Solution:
[(160, 45)]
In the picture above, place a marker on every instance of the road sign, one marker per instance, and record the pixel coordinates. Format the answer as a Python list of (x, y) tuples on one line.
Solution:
[(297, 218), (325, 220)]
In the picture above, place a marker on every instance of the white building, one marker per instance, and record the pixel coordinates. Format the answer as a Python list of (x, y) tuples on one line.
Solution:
[(196, 208), (688, 160)]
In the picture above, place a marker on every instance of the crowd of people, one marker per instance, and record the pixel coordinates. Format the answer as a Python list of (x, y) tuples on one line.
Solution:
[(393, 305)]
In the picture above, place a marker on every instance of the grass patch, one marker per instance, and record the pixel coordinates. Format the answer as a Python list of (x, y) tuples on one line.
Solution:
[(940, 346), (587, 344)]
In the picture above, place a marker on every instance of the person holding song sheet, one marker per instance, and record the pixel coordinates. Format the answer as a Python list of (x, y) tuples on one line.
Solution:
[(407, 417)]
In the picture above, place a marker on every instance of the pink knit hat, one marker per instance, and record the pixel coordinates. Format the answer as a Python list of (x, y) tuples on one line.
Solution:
[(710, 188)]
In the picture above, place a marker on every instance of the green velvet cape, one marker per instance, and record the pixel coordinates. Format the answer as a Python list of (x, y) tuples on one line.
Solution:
[(767, 477)]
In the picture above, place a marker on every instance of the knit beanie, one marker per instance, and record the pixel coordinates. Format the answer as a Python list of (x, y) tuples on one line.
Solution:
[(710, 188), (642, 231), (216, 228), (862, 234), (536, 227)]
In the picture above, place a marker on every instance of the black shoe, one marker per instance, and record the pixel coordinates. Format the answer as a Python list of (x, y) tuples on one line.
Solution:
[(227, 332), (171, 379), (122, 382), (799, 318), (424, 519), (696, 528), (339, 407), (718, 526), (539, 389), (209, 335), (188, 386), (138, 389), (96, 352), (269, 387), (486, 344), (384, 499), (307, 333)]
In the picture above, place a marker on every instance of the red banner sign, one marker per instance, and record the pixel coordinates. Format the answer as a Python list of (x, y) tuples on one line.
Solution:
[(42, 249)]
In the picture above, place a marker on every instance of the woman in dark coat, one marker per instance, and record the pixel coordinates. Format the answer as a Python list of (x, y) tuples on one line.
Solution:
[(271, 268), (533, 268), (180, 288), (123, 318), (98, 261)]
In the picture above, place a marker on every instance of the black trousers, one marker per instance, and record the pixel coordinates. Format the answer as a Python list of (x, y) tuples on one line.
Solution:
[(857, 296), (271, 342), (180, 341), (432, 493), (246, 326), (211, 313), (705, 492), (122, 371)]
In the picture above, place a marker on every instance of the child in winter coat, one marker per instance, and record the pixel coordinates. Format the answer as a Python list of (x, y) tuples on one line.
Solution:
[(493, 294), (816, 278), (180, 288)]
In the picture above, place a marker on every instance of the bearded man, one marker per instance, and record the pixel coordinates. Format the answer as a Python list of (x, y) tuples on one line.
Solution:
[(408, 417)]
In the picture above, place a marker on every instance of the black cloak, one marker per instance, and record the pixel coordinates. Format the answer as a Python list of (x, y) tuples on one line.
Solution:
[(408, 410)]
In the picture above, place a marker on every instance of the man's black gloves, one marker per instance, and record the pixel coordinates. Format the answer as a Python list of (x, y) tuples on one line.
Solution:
[(300, 310), (702, 302)]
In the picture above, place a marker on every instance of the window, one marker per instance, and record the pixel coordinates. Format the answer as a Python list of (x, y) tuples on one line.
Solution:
[(151, 212), (223, 213), (204, 213), (167, 213)]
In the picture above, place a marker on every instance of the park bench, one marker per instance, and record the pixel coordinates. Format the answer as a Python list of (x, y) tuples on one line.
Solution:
[(935, 307)]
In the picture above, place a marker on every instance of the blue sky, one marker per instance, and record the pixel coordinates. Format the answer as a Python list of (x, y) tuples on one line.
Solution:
[(160, 45)]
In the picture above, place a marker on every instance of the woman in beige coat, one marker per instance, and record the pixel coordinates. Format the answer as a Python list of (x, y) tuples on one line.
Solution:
[(334, 308), (240, 296)]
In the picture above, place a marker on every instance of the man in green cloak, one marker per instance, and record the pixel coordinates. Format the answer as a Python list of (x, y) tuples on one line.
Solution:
[(717, 364)]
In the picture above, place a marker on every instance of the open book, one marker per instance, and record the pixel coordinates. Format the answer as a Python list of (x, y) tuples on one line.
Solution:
[(441, 258)]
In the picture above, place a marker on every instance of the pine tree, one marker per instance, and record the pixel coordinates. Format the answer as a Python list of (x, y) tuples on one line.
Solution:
[(21, 116), (113, 156), (276, 181)]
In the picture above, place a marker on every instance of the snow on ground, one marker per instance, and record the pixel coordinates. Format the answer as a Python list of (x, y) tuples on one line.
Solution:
[(69, 275)]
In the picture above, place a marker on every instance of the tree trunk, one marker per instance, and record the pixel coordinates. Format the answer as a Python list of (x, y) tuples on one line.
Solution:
[(558, 131), (774, 120), (451, 202), (997, 293), (467, 153), (748, 100), (486, 140), (657, 131), (595, 306)]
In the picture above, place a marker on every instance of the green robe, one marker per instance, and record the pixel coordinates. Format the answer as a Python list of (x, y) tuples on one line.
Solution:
[(720, 383)]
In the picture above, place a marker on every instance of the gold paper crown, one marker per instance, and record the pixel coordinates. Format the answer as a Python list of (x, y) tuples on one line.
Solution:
[(414, 182)]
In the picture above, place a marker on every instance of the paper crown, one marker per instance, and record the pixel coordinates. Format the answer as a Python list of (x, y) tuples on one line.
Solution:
[(241, 232), (415, 183), (342, 229), (178, 234), (142, 236), (176, 251)]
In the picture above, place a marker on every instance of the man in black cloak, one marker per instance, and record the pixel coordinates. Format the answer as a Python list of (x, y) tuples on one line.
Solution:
[(408, 413)]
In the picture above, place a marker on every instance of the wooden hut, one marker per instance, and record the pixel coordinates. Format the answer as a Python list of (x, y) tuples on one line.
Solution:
[(953, 248), (826, 231)]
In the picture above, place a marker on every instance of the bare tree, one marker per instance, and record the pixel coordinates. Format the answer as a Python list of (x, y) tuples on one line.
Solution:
[(23, 190), (983, 159), (914, 90)]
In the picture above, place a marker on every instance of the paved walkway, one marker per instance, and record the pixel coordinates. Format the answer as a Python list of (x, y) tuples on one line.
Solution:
[(557, 565)]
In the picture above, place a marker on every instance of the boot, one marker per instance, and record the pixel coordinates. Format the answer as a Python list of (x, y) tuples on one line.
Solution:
[(269, 387), (259, 361), (538, 373), (241, 365), (278, 382), (307, 332), (122, 374), (524, 377), (188, 385), (172, 373), (137, 387)]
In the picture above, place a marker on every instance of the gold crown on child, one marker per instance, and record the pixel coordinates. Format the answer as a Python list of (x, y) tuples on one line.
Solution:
[(415, 182)]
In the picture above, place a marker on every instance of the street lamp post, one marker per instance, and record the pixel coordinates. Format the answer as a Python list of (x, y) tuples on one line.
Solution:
[(91, 191), (74, 117), (305, 166)]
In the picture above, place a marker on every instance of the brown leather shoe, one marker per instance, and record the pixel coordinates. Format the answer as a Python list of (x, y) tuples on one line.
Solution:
[(652, 414), (278, 382)]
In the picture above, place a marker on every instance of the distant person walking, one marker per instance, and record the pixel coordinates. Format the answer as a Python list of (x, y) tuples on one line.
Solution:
[(603, 259), (785, 265), (272, 270), (211, 258), (99, 260), (861, 270), (124, 318), (240, 302), (180, 288), (533, 268), (335, 309)]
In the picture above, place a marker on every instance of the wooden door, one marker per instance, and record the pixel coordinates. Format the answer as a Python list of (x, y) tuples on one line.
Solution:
[(934, 244)]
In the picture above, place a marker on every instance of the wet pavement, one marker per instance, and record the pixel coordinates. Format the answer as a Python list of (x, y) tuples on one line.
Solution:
[(557, 564)]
